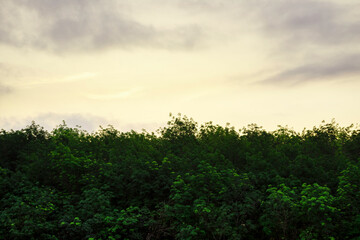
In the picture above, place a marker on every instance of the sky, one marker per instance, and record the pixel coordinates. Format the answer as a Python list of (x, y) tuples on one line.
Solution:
[(130, 63)]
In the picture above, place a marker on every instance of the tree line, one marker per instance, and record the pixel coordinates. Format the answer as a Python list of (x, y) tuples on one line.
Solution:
[(184, 182)]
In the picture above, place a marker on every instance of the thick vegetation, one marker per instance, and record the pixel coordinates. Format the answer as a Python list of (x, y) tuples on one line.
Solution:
[(185, 182)]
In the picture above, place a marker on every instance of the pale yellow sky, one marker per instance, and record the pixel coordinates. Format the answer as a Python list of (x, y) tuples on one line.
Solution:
[(130, 64)]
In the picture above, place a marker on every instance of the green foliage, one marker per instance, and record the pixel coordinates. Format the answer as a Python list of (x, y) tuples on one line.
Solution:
[(348, 199), (27, 210), (203, 202), (185, 182), (291, 212)]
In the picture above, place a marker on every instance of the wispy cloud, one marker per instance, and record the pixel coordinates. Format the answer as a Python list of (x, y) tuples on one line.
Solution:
[(83, 25), (51, 120), (88, 122), (202, 5), (318, 71), (55, 80), (6, 72), (81, 76), (112, 96), (10, 71), (5, 89)]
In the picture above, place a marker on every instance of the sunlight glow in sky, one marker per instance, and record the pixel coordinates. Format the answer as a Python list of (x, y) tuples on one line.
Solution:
[(131, 63)]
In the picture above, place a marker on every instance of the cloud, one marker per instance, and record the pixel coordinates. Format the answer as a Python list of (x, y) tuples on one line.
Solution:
[(309, 21), (49, 121), (6, 72), (319, 37), (112, 96), (5, 89), (88, 122), (329, 69), (74, 25), (72, 78), (81, 76), (201, 5)]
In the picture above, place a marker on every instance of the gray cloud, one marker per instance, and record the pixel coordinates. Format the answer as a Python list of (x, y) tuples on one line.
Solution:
[(317, 71), (320, 37), (309, 21), (83, 25)]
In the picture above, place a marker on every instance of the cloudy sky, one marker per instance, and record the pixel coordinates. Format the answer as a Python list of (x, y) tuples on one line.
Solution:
[(131, 63)]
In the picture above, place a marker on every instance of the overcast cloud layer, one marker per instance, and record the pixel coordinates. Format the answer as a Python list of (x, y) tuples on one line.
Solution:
[(135, 61)]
